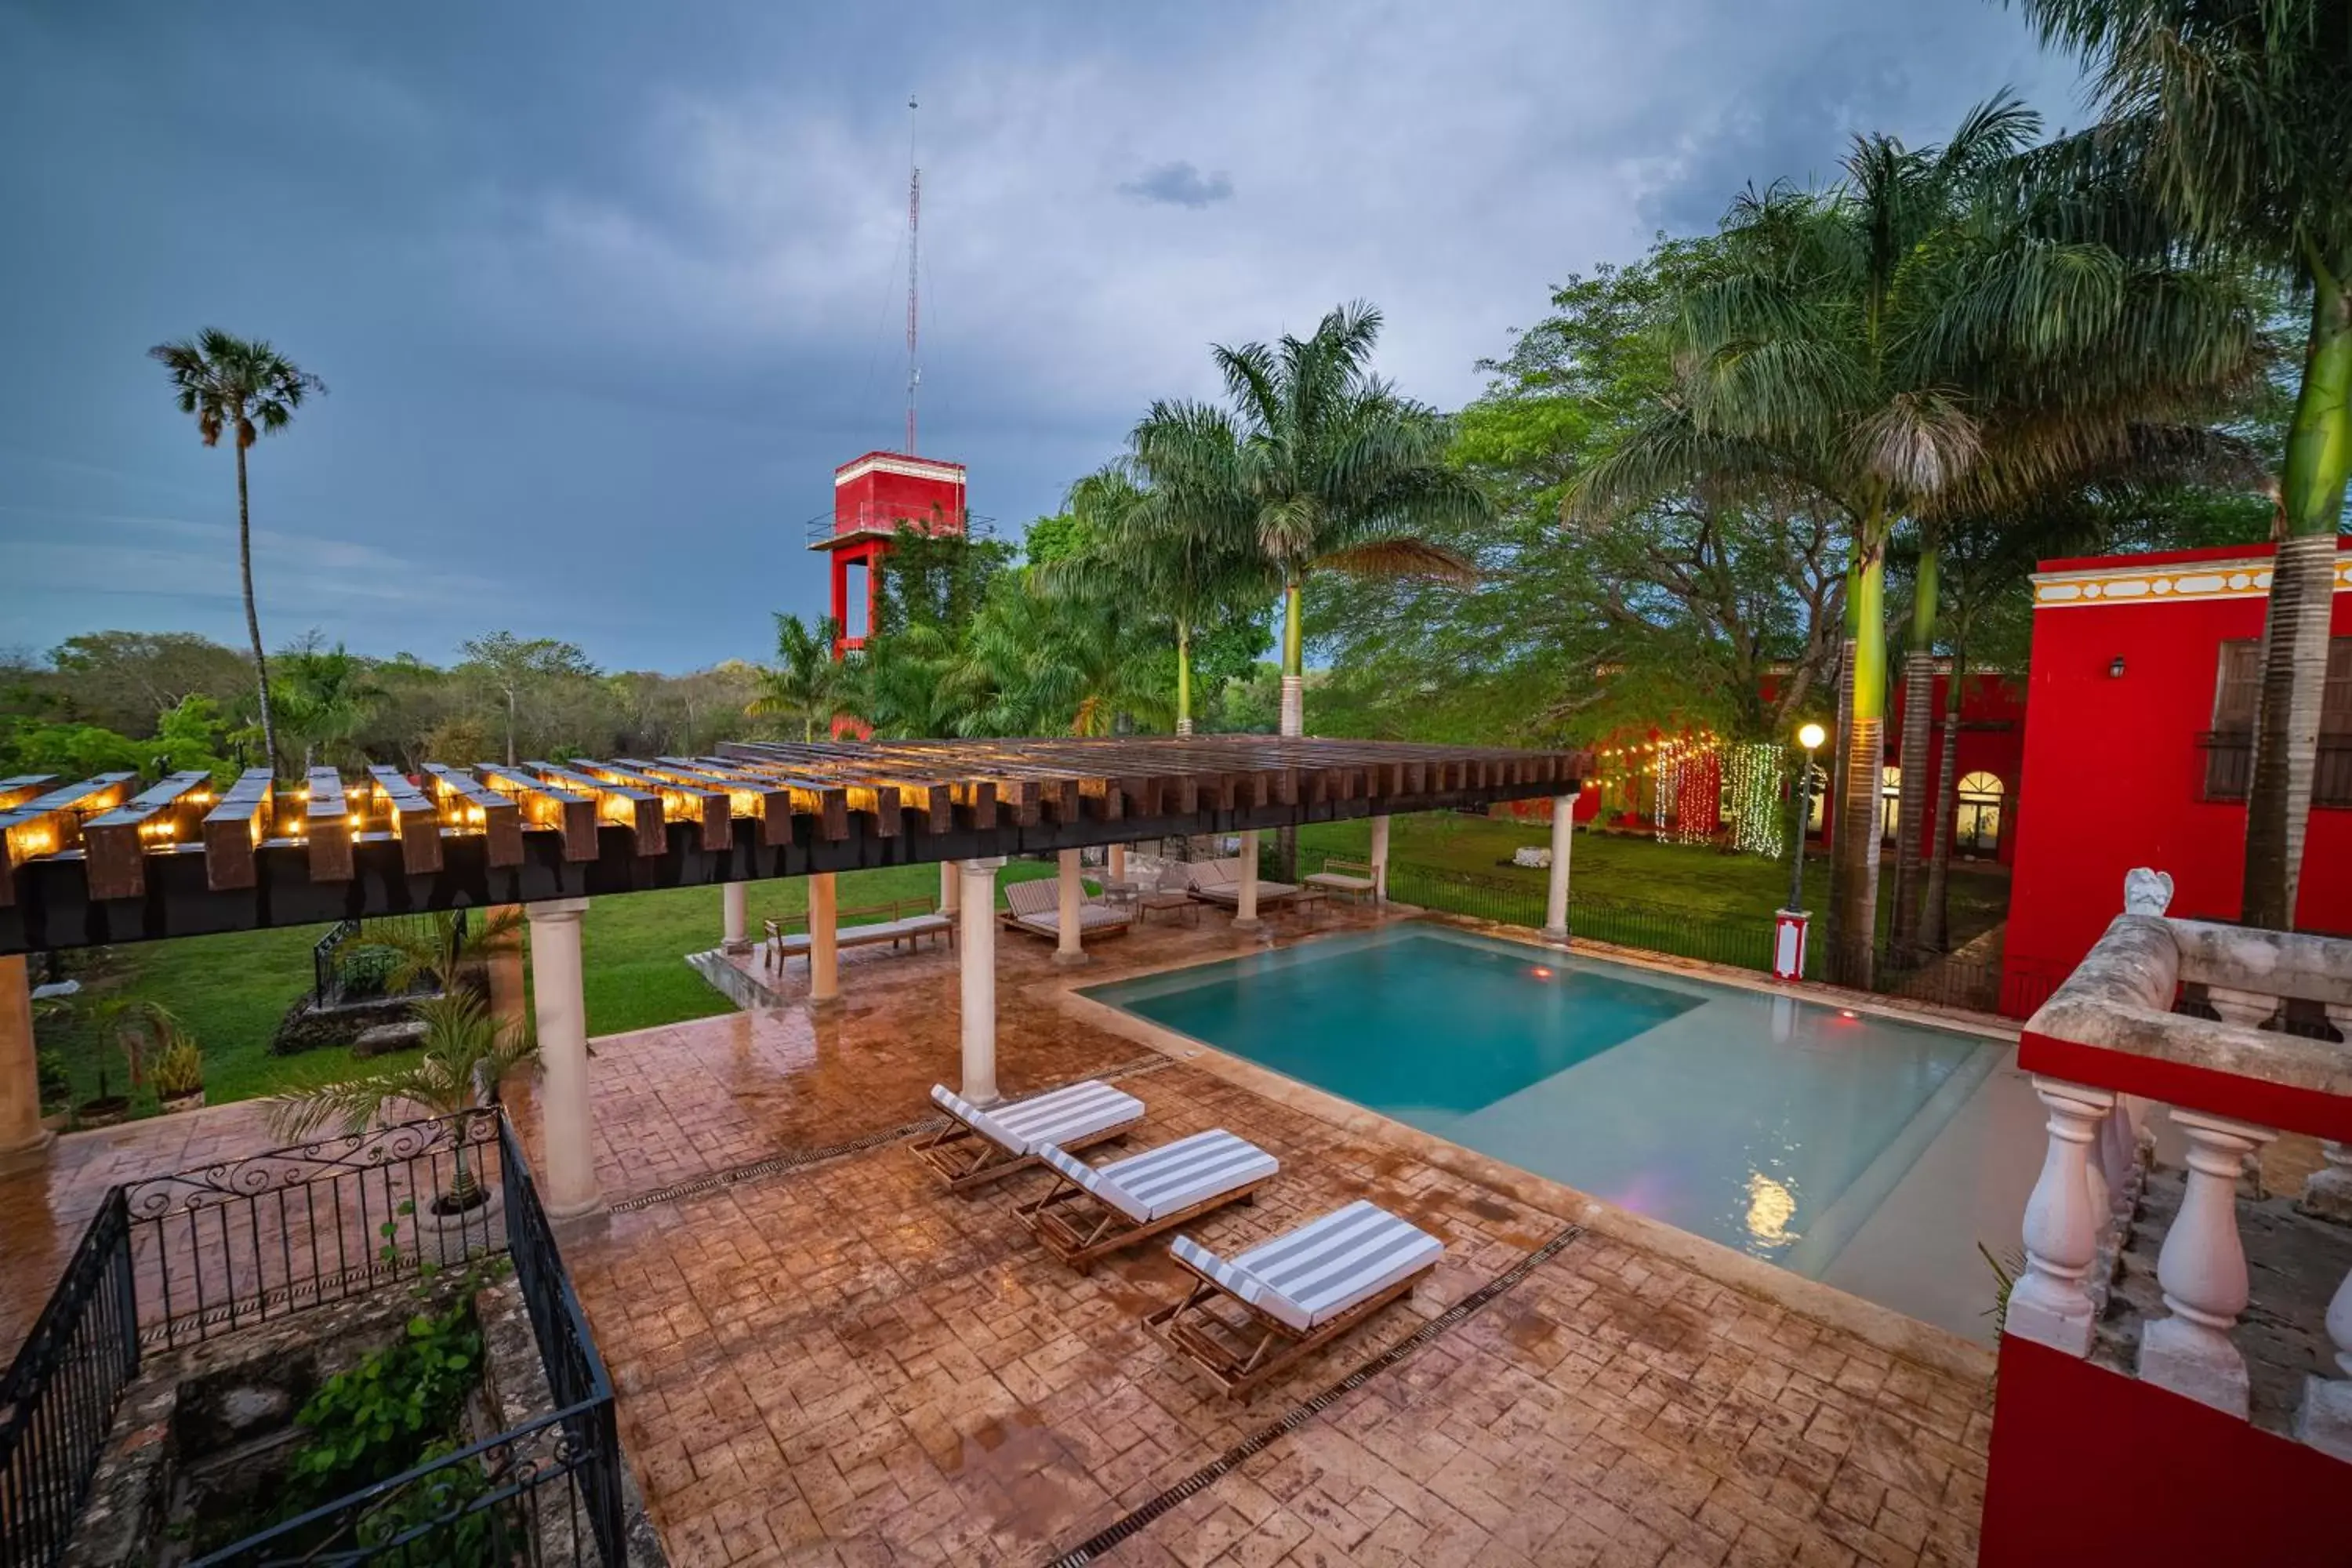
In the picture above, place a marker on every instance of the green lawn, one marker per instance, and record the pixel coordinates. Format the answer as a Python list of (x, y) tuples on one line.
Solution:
[(1629, 868), (231, 990)]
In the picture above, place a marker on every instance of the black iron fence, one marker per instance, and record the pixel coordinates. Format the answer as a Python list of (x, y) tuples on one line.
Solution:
[(1940, 979), (57, 1400), (349, 964), (177, 1260)]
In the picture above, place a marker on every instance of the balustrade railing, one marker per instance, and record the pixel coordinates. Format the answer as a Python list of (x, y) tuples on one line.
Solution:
[(2118, 1037)]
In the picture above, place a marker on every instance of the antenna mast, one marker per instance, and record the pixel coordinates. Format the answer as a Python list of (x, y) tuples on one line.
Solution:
[(914, 298)]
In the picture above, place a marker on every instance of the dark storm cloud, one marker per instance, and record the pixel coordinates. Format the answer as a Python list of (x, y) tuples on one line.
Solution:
[(605, 292), (1179, 185)]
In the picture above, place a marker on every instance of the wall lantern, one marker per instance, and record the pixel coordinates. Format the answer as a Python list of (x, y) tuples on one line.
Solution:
[(2115, 669)]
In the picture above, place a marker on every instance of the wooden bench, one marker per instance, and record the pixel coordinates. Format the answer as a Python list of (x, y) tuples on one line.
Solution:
[(906, 920)]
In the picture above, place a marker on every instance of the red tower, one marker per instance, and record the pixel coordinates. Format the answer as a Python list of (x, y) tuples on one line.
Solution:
[(875, 496)]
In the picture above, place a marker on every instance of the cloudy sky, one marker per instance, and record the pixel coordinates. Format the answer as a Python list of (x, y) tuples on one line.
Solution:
[(602, 292)]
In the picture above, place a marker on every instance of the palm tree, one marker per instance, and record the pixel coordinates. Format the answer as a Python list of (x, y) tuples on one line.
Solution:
[(249, 389), (324, 697), (435, 955), (1900, 347), (2229, 126), (1320, 465), (806, 685), (1035, 663), (467, 1055), (1171, 554)]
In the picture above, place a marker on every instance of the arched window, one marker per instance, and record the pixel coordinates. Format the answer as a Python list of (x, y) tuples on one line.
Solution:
[(1976, 824)]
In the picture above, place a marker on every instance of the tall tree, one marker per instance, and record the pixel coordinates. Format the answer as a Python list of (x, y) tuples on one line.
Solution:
[(1899, 347), (1168, 555), (324, 696), (513, 666), (1320, 465), (2230, 124), (806, 686), (247, 388)]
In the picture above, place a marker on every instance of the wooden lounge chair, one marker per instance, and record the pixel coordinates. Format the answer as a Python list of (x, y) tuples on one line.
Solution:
[(1219, 882), (1294, 1293), (1094, 1211), (1036, 906), (977, 1146)]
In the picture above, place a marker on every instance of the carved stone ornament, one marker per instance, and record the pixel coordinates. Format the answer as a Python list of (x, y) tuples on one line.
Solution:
[(2147, 891)]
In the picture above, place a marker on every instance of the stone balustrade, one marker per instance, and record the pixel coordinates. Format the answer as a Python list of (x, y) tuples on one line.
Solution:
[(2111, 1044)]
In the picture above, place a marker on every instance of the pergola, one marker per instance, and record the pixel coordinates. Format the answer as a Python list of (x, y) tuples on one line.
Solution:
[(103, 860)]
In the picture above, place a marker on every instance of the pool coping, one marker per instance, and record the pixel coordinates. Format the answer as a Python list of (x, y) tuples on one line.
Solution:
[(1884, 1328)]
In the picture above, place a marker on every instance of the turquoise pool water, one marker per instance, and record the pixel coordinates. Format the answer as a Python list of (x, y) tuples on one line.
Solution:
[(1767, 1123)]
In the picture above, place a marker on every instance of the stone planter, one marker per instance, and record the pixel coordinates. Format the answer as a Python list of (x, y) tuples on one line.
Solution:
[(192, 1100), (103, 1112), (458, 1235)]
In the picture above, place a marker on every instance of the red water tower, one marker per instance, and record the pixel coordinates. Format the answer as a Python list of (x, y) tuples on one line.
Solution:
[(873, 499)]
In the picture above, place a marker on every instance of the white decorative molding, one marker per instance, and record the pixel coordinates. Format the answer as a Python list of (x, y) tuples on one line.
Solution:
[(2248, 578), (903, 467)]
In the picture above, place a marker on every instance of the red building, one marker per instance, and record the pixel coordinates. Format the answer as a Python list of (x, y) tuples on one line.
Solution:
[(2143, 684), (1987, 761), (875, 496)]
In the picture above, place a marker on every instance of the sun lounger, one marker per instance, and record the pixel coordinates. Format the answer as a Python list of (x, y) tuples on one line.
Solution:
[(1096, 1210), (1219, 882), (978, 1146), (1296, 1292), (855, 930), (1036, 906)]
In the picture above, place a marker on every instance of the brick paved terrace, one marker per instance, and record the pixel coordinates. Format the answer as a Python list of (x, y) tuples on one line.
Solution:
[(824, 1358)]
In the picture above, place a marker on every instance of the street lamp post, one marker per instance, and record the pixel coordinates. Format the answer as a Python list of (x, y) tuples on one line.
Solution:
[(1788, 928)]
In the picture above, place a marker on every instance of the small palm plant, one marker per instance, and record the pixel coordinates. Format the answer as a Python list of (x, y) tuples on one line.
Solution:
[(432, 956), (467, 1054)]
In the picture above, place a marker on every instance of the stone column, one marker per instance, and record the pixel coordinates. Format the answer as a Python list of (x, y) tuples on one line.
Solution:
[(734, 899), (1069, 897), (979, 976), (825, 956), (1117, 863), (566, 1122), (1563, 840), (1245, 907), (23, 1139), (510, 988), (2202, 1269), (2049, 1304), (947, 887), (1380, 860)]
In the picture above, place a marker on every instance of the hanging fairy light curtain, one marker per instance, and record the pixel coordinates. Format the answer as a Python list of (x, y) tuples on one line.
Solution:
[(1754, 774), (1689, 788)]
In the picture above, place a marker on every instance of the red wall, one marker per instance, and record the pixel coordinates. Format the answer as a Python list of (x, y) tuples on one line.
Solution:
[(2089, 1466), (875, 499), (2112, 773)]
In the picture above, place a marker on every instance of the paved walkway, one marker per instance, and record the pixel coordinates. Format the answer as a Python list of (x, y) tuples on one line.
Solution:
[(834, 1362)]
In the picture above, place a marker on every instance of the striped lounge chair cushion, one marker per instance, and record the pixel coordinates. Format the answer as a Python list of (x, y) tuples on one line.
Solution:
[(979, 1121), (1171, 1177), (1068, 1115), (1313, 1274)]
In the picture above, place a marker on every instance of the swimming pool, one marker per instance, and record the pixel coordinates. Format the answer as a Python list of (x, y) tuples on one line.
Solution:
[(1772, 1125)]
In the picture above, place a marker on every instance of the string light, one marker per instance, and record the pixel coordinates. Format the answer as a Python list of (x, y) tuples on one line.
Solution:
[(1689, 788), (1755, 771)]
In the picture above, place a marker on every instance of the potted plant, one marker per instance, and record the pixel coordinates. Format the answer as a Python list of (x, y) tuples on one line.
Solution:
[(180, 1074), (104, 1109), (434, 956), (467, 1054)]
